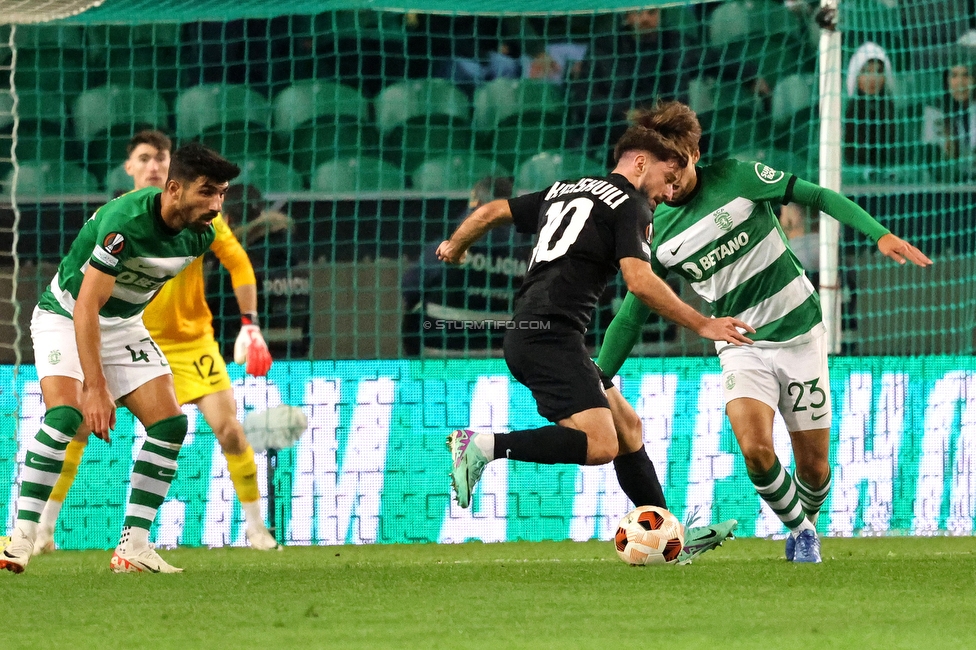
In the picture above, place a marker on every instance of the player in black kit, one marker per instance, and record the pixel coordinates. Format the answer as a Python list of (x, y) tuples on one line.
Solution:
[(586, 229)]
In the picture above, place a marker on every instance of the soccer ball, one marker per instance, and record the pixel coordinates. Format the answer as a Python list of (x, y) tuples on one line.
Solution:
[(649, 535)]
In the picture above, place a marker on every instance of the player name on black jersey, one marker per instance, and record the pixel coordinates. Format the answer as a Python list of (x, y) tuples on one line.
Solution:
[(601, 188)]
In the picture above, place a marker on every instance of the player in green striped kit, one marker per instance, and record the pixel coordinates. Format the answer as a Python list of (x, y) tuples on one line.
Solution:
[(720, 234), (92, 350)]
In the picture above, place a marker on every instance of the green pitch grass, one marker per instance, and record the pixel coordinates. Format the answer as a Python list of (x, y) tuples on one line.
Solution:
[(868, 593)]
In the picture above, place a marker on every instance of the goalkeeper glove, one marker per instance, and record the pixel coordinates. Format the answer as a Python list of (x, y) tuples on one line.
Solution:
[(250, 350)]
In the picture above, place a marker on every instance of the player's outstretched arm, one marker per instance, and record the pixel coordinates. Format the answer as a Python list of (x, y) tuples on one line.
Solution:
[(847, 212), (490, 215), (656, 294), (901, 251), (622, 335), (97, 405)]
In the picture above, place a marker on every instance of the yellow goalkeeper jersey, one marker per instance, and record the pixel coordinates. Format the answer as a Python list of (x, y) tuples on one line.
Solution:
[(179, 312)]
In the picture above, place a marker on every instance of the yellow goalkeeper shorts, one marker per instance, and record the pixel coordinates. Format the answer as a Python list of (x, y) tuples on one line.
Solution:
[(198, 369)]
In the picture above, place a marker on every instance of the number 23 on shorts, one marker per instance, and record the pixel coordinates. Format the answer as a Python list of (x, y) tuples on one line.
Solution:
[(816, 396)]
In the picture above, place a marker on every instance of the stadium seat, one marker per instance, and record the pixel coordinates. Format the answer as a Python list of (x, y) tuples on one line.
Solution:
[(106, 117), (117, 181), (454, 173), (417, 119), (50, 178), (318, 121), (400, 103), (212, 105), (354, 175), (741, 20), (793, 94), (270, 176), (498, 100), (306, 101), (517, 119), (544, 169), (98, 110)]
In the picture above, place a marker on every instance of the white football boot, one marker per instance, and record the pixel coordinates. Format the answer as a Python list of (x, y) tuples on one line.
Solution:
[(260, 538), (132, 556), (17, 553)]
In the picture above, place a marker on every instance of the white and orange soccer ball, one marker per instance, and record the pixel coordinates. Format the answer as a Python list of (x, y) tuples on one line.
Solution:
[(649, 535)]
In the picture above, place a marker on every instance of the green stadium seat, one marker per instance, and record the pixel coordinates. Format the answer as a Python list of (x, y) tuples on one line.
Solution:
[(96, 111), (50, 178), (544, 169), (741, 20), (270, 176), (210, 105), (517, 119), (454, 173), (793, 94), (419, 119), (402, 102), (318, 121), (498, 100), (118, 181), (106, 117), (355, 175), (307, 101)]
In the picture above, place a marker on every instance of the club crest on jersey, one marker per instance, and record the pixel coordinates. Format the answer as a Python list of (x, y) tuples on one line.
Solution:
[(724, 220), (767, 174), (649, 233), (113, 243), (692, 269)]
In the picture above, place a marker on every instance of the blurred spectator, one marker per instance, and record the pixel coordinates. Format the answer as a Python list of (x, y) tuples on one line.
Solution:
[(467, 49), (869, 126), (441, 301), (640, 63), (282, 273), (950, 128)]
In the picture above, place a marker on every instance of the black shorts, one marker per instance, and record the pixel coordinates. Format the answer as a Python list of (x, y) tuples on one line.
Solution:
[(556, 367)]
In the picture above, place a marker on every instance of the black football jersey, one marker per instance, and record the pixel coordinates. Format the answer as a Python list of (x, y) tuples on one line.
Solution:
[(584, 229)]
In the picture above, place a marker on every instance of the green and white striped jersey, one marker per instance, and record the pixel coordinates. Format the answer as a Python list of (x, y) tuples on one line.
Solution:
[(725, 240), (126, 238)]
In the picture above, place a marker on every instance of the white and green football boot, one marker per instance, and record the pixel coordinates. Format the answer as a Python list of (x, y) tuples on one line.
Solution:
[(700, 539), (467, 464)]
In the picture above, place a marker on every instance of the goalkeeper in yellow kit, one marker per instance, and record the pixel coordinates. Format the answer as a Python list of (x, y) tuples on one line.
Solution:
[(181, 324)]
